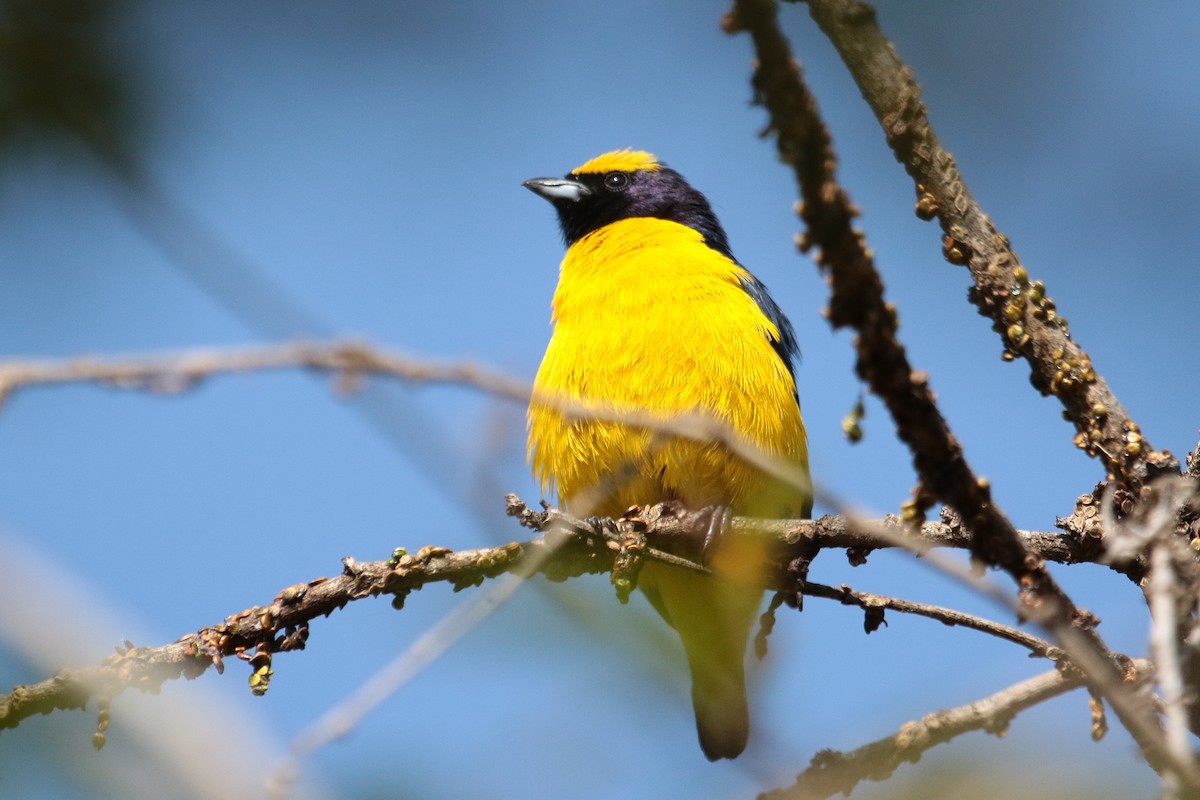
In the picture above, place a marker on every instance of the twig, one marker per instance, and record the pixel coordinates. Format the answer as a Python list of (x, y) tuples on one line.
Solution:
[(871, 534), (1170, 587), (1021, 312), (857, 301), (1164, 626), (832, 773), (350, 361), (875, 604), (340, 720), (177, 372)]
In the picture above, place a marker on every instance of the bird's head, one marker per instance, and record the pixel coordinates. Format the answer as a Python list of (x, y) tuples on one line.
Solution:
[(624, 184)]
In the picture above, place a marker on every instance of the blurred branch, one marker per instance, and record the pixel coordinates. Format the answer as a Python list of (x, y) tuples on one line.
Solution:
[(344, 717), (1024, 316), (1163, 591), (252, 635), (350, 362), (215, 265), (832, 772), (1172, 589), (175, 373), (857, 301)]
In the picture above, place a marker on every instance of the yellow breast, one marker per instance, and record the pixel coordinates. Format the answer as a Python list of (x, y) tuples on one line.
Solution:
[(648, 317)]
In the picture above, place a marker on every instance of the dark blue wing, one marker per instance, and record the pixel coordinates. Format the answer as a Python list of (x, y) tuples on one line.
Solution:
[(786, 345)]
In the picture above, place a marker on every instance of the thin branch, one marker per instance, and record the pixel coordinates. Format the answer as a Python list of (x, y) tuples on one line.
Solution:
[(850, 533), (832, 773), (1164, 626), (178, 372), (1171, 591), (876, 604), (1024, 316), (351, 361), (863, 535), (343, 718), (857, 300)]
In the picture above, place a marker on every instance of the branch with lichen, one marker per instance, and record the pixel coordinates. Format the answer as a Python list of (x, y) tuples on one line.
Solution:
[(1022, 313), (570, 547), (831, 773), (857, 301), (256, 634)]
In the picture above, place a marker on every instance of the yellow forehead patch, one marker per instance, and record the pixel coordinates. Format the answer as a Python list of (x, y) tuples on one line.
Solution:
[(621, 161)]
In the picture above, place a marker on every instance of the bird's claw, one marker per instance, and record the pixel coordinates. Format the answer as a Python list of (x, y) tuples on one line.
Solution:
[(602, 525)]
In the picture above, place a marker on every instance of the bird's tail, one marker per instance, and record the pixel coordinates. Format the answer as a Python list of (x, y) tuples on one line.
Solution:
[(713, 618), (719, 699)]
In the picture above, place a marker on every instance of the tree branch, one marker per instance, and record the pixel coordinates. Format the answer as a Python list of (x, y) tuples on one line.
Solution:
[(876, 604), (857, 300), (832, 773), (255, 634), (862, 536), (1024, 316), (178, 372), (575, 547)]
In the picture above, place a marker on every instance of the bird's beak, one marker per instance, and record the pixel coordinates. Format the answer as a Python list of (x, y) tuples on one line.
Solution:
[(558, 190)]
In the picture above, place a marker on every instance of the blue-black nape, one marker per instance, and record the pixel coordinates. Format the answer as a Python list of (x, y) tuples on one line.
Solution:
[(665, 194)]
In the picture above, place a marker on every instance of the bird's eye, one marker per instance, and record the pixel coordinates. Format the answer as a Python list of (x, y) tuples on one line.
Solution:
[(616, 181)]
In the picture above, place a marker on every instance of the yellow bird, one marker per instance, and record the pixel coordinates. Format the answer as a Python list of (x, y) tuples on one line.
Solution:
[(654, 314)]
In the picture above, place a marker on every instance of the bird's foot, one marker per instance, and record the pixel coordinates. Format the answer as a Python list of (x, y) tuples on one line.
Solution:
[(605, 526), (712, 523)]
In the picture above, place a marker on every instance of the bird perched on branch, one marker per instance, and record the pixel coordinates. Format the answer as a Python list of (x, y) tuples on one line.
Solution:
[(653, 314)]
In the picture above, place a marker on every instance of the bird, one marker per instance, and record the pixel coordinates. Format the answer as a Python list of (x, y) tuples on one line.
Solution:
[(652, 313)]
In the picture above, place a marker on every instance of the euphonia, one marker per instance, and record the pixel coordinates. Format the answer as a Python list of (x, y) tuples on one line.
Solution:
[(654, 314)]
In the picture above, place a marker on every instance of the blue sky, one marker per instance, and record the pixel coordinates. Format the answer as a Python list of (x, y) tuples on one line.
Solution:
[(367, 158)]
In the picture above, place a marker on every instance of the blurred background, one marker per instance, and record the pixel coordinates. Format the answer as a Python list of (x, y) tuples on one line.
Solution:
[(180, 175)]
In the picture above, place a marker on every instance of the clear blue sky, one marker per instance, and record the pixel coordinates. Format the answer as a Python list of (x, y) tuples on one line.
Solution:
[(367, 157)]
